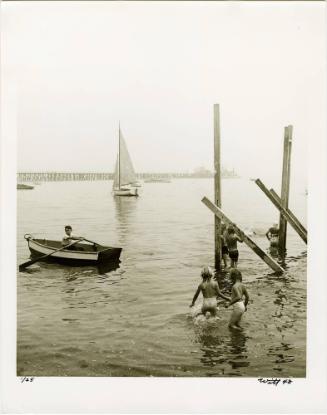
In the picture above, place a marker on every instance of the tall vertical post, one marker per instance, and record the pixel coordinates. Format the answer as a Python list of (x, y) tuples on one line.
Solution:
[(119, 155), (286, 174), (217, 185)]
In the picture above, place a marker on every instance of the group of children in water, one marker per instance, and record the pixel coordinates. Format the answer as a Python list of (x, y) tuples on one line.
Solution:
[(229, 240), (239, 295), (210, 290)]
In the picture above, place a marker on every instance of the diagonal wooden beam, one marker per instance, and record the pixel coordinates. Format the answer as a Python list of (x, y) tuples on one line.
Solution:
[(284, 213), (251, 244), (299, 224)]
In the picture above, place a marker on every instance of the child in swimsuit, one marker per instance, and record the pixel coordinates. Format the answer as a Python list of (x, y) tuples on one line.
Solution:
[(272, 235), (239, 305), (224, 248), (231, 241), (210, 291)]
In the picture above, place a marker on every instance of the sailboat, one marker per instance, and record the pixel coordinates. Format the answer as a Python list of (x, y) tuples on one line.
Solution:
[(124, 177)]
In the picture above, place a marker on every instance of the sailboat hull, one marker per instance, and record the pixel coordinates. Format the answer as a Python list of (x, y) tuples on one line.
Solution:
[(125, 192)]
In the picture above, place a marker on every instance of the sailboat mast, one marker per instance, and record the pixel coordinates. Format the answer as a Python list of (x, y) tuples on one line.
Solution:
[(119, 156)]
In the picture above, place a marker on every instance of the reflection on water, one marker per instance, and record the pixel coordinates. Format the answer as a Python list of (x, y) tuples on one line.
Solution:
[(105, 267), (237, 342), (73, 271), (132, 318), (212, 346), (125, 211), (238, 350), (221, 349)]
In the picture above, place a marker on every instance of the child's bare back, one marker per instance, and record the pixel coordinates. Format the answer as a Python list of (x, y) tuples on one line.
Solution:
[(239, 291), (209, 289), (239, 299)]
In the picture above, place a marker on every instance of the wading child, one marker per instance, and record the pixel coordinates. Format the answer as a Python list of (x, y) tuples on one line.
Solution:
[(224, 249), (239, 305), (210, 291), (272, 235), (231, 241)]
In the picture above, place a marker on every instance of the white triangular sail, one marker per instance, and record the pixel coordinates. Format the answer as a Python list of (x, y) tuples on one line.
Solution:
[(127, 172), (124, 170)]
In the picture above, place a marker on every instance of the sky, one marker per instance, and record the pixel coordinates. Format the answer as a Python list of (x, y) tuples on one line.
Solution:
[(158, 68)]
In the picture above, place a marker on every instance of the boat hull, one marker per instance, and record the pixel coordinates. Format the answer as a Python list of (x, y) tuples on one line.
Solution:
[(125, 192), (82, 255), (21, 186)]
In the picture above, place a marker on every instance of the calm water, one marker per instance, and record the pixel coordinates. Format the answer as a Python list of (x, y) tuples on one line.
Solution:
[(136, 320)]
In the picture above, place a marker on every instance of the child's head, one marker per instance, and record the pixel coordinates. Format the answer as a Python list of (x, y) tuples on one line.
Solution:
[(206, 273), (68, 229), (235, 275), (230, 229)]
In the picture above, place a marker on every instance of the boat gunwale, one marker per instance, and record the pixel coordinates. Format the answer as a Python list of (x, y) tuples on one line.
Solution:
[(105, 248)]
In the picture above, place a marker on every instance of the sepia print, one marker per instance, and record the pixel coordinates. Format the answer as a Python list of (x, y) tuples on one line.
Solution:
[(162, 186)]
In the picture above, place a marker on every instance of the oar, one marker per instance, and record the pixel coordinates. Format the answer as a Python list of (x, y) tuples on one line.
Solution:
[(32, 261), (91, 242)]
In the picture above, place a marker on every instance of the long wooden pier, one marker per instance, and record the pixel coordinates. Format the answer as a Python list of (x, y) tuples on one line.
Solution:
[(61, 176), (90, 176)]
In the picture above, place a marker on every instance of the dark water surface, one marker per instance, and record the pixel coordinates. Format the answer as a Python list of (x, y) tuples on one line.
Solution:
[(135, 320)]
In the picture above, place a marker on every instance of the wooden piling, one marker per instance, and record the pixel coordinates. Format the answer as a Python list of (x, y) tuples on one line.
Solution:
[(286, 216), (295, 219), (217, 185), (286, 174), (251, 244)]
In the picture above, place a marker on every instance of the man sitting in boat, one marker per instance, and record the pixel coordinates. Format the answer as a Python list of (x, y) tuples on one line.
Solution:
[(69, 237), (272, 235)]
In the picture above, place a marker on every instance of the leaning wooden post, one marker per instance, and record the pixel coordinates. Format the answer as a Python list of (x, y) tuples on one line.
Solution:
[(295, 219), (286, 215), (251, 244), (217, 185), (285, 187)]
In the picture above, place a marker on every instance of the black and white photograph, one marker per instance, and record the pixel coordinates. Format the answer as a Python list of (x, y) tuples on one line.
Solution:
[(162, 179)]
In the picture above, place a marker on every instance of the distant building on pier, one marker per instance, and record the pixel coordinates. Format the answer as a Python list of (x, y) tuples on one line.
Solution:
[(202, 172)]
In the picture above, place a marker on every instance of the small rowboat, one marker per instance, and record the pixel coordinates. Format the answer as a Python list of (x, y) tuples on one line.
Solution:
[(82, 254), (22, 186)]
